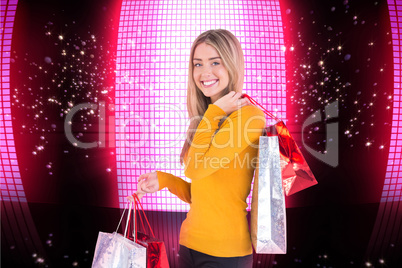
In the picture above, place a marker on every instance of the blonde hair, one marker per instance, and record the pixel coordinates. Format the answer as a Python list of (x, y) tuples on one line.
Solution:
[(229, 49)]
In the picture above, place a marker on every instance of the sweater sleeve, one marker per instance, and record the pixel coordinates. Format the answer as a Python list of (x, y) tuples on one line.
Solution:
[(209, 153), (175, 185)]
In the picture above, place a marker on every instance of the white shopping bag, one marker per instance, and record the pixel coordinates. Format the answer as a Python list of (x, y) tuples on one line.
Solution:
[(114, 250), (268, 214)]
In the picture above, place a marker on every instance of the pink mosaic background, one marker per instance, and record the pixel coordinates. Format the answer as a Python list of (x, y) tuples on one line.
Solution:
[(10, 178)]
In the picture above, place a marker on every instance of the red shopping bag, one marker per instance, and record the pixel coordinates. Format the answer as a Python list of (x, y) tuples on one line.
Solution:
[(296, 174), (156, 251)]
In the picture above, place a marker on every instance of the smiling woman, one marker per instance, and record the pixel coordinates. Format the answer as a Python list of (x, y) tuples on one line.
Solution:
[(215, 232), (216, 67)]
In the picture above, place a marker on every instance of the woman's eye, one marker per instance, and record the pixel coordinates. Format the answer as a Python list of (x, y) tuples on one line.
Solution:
[(215, 63), (197, 64)]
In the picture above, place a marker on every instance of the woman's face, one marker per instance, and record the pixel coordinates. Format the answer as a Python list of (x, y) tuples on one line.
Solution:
[(209, 73)]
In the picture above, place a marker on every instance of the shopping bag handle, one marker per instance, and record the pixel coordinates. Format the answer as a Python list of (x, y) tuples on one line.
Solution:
[(244, 95), (128, 219), (137, 205), (130, 203), (269, 114)]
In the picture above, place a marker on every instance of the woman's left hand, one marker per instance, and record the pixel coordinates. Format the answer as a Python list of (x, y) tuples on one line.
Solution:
[(147, 183)]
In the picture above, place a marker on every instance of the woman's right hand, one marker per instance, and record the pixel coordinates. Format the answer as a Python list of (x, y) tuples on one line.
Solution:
[(231, 102), (147, 183)]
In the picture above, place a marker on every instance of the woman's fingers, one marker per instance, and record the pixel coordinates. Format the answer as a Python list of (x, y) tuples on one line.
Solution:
[(244, 102), (130, 198), (233, 94), (146, 186), (143, 185), (236, 98), (143, 177), (239, 100), (140, 194)]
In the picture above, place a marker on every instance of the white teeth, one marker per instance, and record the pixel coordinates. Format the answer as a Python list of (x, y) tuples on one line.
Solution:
[(209, 83)]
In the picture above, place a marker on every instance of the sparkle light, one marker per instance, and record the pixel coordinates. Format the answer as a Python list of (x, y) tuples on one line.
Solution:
[(154, 41)]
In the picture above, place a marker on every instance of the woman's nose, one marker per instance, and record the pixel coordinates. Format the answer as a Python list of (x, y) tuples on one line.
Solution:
[(206, 71)]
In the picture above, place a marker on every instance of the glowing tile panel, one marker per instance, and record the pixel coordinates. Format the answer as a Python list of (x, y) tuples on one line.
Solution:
[(10, 179), (154, 41), (393, 176)]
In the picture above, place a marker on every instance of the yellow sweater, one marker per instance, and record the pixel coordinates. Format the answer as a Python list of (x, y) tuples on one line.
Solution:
[(221, 168)]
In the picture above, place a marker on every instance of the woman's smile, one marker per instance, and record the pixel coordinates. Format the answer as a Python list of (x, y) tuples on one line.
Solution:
[(209, 83)]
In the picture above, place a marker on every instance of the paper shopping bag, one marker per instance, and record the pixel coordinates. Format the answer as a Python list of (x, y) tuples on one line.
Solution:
[(296, 174), (156, 251), (268, 215), (115, 251)]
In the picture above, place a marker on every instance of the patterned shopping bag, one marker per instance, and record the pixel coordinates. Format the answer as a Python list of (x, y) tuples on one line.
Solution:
[(114, 250), (268, 214)]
